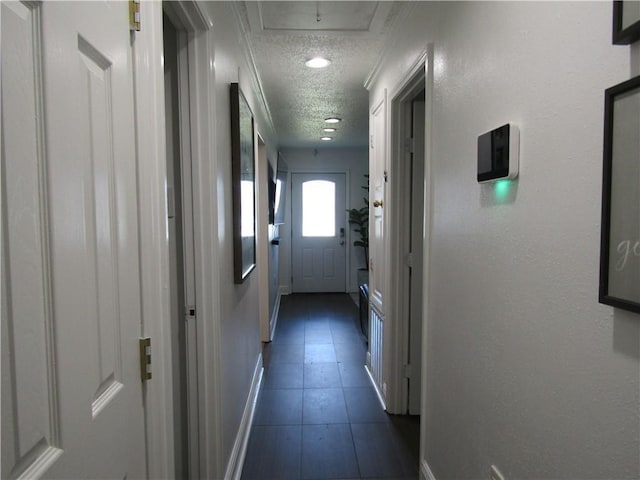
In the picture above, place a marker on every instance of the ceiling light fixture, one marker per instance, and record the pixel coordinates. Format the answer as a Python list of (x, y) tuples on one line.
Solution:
[(328, 129), (317, 62), (326, 139), (332, 120)]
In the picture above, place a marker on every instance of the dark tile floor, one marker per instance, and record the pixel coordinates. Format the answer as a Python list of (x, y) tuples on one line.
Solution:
[(317, 415)]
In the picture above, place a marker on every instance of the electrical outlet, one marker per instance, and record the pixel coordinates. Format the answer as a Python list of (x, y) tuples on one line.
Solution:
[(495, 473)]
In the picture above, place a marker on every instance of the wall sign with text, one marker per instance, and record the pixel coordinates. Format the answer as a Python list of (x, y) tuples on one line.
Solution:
[(620, 237)]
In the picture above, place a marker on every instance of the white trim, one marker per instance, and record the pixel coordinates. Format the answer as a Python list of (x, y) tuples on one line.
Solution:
[(154, 257), (426, 255), (425, 471), (236, 459), (375, 387), (208, 305), (285, 290), (262, 234), (410, 74), (201, 52), (274, 314), (397, 293)]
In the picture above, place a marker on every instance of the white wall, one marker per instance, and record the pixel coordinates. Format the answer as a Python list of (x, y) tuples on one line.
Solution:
[(355, 161), (239, 329), (525, 369)]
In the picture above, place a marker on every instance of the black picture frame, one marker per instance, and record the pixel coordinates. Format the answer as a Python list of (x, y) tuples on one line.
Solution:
[(244, 185), (620, 234), (626, 22)]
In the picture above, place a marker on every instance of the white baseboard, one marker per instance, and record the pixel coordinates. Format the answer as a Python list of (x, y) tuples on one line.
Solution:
[(425, 471), (236, 460), (375, 387), (274, 316), (285, 289)]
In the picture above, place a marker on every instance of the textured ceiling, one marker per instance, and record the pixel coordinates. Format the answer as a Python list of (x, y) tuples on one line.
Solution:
[(283, 35)]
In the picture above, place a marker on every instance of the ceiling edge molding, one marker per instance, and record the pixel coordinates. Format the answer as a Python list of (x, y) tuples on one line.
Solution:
[(254, 14), (244, 39), (382, 12), (405, 12)]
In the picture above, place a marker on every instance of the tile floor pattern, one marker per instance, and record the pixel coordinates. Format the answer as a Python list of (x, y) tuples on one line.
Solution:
[(317, 416)]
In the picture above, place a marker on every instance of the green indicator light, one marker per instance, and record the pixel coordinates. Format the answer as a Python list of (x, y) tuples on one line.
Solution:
[(502, 189)]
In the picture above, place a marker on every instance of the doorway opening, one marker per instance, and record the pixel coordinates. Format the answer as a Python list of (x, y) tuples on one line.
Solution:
[(407, 239), (181, 247)]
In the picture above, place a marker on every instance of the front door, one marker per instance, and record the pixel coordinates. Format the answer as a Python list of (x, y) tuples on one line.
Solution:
[(318, 244), (72, 402)]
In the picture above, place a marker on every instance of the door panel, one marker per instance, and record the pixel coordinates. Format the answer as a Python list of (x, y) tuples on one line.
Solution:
[(30, 425), (377, 245), (318, 232), (68, 138)]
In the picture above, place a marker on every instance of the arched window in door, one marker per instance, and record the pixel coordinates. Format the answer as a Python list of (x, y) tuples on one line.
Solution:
[(318, 208)]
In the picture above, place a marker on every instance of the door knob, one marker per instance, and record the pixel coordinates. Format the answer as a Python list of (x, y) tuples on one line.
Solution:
[(377, 203)]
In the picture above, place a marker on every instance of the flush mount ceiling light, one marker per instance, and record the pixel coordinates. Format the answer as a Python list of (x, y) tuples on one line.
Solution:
[(317, 62), (332, 120), (328, 129), (326, 139)]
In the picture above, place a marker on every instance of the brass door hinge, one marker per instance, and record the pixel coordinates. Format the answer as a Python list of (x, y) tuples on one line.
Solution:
[(145, 359), (134, 15)]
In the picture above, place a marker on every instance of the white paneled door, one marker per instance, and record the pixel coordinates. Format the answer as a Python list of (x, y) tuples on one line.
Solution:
[(318, 245), (72, 403)]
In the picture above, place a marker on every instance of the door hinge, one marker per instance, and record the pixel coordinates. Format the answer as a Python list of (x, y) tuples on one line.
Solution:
[(409, 260), (407, 370), (190, 311), (145, 359), (134, 15)]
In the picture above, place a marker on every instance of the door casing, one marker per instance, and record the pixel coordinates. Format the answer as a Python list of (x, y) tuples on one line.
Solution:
[(419, 75)]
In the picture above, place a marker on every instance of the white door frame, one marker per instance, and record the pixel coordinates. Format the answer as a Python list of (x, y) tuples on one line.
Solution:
[(398, 340), (205, 432), (398, 204), (149, 85), (262, 236), (154, 251), (421, 70)]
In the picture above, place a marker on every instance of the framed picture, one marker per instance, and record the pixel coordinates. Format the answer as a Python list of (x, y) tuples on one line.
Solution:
[(243, 178), (620, 237), (626, 21)]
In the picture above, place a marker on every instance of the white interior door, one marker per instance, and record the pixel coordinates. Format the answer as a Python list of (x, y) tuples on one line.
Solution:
[(318, 246), (72, 404)]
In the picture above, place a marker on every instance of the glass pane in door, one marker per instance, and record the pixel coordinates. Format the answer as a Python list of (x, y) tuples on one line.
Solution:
[(318, 208)]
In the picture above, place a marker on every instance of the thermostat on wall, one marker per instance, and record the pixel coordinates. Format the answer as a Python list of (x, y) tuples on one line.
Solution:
[(498, 152)]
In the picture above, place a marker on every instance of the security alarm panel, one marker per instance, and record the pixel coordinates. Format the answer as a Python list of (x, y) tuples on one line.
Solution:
[(498, 152)]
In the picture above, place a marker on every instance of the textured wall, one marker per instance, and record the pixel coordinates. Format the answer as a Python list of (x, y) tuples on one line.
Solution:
[(525, 369), (353, 160)]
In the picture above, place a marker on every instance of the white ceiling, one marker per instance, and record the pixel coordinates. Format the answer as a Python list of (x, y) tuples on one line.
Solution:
[(283, 35)]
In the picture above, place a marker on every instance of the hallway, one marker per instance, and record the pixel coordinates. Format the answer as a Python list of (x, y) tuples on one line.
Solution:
[(317, 415)]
